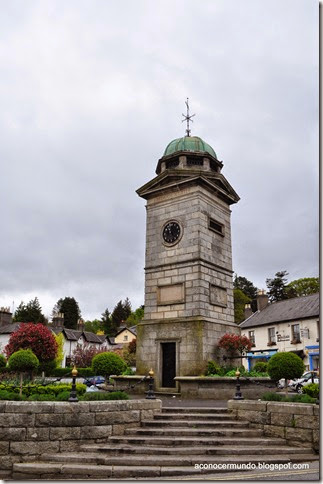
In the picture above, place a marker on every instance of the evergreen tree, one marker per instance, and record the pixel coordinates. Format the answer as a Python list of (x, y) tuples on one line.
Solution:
[(70, 308), (120, 314), (248, 289), (277, 287), (29, 313), (106, 322)]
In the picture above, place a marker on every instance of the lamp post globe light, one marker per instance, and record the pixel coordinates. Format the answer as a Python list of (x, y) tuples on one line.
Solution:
[(238, 395), (73, 394)]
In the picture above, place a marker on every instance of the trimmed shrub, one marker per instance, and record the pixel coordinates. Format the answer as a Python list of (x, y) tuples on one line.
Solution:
[(285, 365), (23, 360), (38, 389), (35, 397), (275, 397), (63, 396), (66, 372), (313, 390), (7, 395), (92, 396), (260, 367), (107, 364), (3, 361)]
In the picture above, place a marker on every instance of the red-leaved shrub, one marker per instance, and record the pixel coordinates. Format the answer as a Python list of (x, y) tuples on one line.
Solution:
[(36, 337), (235, 342)]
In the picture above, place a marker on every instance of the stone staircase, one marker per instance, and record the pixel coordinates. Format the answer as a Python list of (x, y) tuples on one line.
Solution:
[(168, 445)]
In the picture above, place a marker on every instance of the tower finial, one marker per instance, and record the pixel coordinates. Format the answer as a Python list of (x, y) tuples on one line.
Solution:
[(187, 118)]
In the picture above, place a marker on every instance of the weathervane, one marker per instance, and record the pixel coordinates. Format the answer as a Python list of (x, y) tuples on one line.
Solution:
[(187, 118)]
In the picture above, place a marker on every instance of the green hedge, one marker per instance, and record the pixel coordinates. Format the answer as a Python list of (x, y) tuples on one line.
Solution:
[(32, 388), (276, 397), (92, 396), (313, 390)]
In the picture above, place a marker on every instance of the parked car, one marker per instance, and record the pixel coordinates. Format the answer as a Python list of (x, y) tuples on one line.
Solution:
[(94, 380), (306, 379)]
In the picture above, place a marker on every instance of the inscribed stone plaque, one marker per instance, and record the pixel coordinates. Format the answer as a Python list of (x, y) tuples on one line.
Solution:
[(218, 296), (171, 294)]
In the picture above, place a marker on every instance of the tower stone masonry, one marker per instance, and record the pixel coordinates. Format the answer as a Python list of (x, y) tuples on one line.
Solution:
[(188, 266)]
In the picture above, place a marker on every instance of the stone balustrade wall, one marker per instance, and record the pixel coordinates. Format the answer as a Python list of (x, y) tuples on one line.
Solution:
[(298, 423), (29, 429)]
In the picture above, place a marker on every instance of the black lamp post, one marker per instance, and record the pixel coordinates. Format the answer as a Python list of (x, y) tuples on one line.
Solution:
[(73, 394), (150, 393), (238, 395)]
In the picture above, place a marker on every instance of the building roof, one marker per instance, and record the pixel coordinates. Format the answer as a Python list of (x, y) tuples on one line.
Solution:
[(287, 310), (9, 328), (189, 143), (132, 329), (71, 334)]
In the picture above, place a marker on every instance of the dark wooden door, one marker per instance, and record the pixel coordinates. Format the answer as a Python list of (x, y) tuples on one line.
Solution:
[(168, 364)]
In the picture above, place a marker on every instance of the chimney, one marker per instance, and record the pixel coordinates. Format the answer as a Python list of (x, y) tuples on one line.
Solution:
[(58, 321), (5, 316), (247, 311), (262, 300)]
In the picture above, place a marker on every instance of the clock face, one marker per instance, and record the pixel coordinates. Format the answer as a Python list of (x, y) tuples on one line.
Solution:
[(171, 232)]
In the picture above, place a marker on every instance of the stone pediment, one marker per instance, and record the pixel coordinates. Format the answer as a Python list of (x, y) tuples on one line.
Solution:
[(173, 179)]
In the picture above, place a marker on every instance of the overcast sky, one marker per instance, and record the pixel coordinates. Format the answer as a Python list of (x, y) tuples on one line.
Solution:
[(92, 91)]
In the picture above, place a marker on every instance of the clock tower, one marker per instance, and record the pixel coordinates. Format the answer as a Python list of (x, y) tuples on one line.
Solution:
[(188, 267)]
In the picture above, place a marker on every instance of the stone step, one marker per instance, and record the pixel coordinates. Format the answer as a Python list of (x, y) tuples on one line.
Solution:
[(198, 450), (161, 460), (192, 432), (71, 470), (194, 410), (193, 416), (180, 440), (194, 423)]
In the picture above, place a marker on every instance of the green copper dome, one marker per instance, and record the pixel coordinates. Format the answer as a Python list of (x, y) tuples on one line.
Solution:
[(189, 143)]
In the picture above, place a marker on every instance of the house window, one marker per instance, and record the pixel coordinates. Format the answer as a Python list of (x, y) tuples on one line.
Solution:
[(252, 338), (216, 226), (271, 337), (125, 338), (296, 338)]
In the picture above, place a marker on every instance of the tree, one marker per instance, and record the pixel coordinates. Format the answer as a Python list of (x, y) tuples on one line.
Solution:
[(240, 300), (246, 286), (70, 308), (107, 364), (106, 322), (120, 314), (60, 349), (29, 313), (135, 317), (303, 287), (277, 287), (94, 326), (83, 354), (248, 289), (285, 365), (35, 337), (22, 361)]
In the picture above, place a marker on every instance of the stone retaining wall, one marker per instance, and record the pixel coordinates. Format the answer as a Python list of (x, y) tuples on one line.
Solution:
[(217, 388), (223, 388), (298, 423), (29, 429)]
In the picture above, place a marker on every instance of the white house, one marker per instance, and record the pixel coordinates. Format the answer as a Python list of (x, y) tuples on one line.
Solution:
[(288, 325), (125, 335)]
